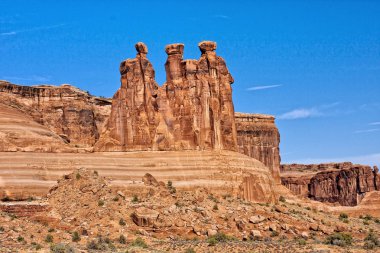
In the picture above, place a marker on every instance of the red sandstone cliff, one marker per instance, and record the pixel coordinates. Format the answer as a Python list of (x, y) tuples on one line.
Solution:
[(259, 138), (343, 183)]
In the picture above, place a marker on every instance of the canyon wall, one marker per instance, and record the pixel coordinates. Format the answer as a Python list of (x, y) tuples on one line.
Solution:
[(343, 183), (74, 115), (258, 137)]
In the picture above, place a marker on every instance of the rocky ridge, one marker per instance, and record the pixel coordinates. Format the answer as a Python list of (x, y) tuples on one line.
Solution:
[(343, 183), (87, 214)]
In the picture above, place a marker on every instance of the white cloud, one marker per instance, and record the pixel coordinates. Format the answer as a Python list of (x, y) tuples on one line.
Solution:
[(303, 113), (374, 124), (221, 16), (264, 87), (367, 131), (369, 159), (30, 30)]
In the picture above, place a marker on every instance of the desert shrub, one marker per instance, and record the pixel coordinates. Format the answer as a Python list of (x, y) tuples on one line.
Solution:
[(215, 207), (100, 203), (96, 173), (371, 241), (122, 239), (171, 188), (135, 199), (51, 230), (377, 220), (367, 217), (339, 239), (36, 246), (20, 238), (139, 242), (365, 222), (301, 241), (101, 244), (122, 222), (49, 238), (343, 217), (282, 199), (190, 250), (78, 176), (274, 234), (1, 229), (219, 237), (61, 248), (75, 237)]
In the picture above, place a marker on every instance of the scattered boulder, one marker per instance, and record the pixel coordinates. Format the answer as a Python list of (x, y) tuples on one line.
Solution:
[(144, 217)]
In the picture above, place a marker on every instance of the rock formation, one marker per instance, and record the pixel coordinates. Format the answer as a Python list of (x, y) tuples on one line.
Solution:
[(193, 110), (258, 137), (343, 183), (74, 115)]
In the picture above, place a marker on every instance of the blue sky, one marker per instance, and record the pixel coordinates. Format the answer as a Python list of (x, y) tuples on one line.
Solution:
[(313, 64)]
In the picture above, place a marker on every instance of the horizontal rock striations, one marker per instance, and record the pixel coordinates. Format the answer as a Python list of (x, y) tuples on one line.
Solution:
[(74, 115), (343, 183), (258, 137)]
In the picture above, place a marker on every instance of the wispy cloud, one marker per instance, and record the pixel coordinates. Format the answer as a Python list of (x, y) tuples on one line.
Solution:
[(33, 78), (264, 87), (221, 16), (303, 113), (370, 159), (367, 131), (374, 123), (39, 28)]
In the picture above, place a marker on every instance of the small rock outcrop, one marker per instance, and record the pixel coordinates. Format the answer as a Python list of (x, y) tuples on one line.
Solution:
[(342, 183)]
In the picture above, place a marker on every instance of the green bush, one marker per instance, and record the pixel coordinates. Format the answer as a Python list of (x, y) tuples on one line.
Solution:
[(100, 203), (139, 242), (282, 199), (51, 230), (101, 243), (78, 176), (49, 238), (215, 207), (371, 241), (219, 237), (190, 250), (75, 237), (274, 234), (301, 241), (61, 248), (343, 216), (20, 238), (135, 199), (339, 239)]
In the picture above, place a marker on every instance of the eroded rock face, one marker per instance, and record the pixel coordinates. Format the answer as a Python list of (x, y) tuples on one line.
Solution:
[(74, 115), (258, 137), (192, 110), (343, 183)]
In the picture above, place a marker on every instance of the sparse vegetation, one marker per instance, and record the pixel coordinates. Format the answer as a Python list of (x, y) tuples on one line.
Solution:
[(116, 198), (343, 217), (371, 241), (61, 248), (20, 238), (51, 230), (190, 250), (219, 237), (282, 199), (36, 246), (122, 239), (49, 238), (215, 207), (96, 173), (339, 239), (171, 188), (274, 234), (135, 199), (101, 203), (101, 243), (139, 242), (77, 176), (301, 241), (75, 237), (122, 222), (1, 229)]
